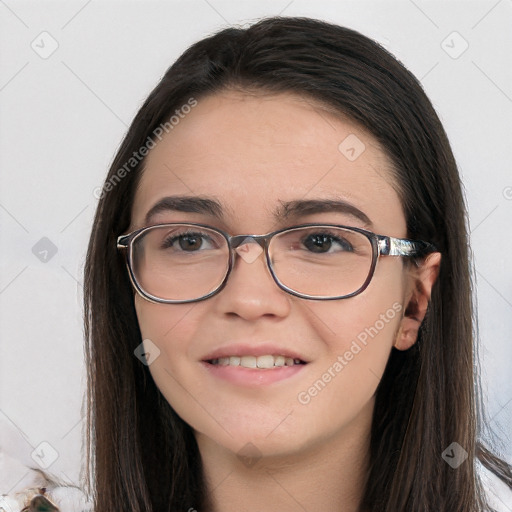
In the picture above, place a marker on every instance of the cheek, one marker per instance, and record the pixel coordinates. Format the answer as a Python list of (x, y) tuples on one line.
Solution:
[(170, 328), (358, 335), (161, 322), (358, 340), (368, 320)]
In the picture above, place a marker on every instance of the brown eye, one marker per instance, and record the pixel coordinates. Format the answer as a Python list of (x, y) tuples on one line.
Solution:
[(323, 242), (188, 242)]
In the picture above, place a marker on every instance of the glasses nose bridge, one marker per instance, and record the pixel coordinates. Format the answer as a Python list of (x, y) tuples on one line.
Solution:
[(238, 240), (249, 255)]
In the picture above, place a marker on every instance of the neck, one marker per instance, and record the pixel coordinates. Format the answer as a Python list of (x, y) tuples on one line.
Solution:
[(328, 475)]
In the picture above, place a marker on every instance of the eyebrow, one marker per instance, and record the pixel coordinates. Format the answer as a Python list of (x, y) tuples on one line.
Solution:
[(188, 204), (287, 211), (301, 208)]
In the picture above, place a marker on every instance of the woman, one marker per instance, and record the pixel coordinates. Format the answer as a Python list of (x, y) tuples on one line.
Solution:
[(326, 366)]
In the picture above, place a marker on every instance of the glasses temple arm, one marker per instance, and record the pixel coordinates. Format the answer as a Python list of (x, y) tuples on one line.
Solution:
[(390, 246), (122, 241)]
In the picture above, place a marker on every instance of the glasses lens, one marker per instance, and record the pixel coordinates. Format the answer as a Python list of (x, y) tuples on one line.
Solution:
[(179, 262), (321, 261)]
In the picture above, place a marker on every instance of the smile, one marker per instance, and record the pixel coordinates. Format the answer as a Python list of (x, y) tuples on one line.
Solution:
[(264, 362)]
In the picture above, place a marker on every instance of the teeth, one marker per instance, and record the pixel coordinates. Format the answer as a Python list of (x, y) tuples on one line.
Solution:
[(248, 362), (263, 362), (279, 361)]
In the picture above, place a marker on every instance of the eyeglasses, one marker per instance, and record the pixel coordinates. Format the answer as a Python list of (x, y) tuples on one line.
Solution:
[(177, 263)]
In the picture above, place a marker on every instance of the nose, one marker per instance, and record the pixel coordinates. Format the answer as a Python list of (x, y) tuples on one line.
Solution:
[(250, 291)]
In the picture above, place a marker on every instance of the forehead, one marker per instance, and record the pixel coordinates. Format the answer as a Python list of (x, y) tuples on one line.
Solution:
[(253, 152)]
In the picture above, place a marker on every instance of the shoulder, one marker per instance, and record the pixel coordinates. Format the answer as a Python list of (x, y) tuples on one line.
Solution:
[(498, 493), (36, 487), (60, 499)]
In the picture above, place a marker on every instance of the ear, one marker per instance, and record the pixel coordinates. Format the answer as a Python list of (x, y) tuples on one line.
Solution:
[(422, 279)]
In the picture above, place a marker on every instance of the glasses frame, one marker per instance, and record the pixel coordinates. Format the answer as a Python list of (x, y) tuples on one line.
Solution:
[(382, 245)]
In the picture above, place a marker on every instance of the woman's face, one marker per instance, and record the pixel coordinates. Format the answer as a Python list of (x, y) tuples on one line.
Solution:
[(251, 154)]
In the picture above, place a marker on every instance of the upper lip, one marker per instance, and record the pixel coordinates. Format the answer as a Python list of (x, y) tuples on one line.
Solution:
[(250, 349)]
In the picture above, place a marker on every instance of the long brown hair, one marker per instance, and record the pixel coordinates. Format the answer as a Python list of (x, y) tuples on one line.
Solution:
[(141, 456)]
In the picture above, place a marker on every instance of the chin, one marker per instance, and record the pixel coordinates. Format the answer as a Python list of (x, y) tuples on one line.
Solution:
[(254, 438)]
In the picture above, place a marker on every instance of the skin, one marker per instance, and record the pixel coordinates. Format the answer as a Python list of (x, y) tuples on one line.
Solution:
[(249, 151)]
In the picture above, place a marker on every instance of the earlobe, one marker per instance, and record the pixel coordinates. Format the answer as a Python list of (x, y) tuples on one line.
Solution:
[(422, 282)]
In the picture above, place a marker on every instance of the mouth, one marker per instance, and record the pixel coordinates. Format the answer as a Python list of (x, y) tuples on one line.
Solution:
[(263, 362), (254, 364)]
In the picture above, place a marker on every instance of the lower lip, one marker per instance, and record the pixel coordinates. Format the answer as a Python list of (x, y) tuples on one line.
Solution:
[(251, 376)]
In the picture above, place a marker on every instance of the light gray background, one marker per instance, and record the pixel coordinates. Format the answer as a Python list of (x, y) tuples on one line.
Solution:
[(62, 118)]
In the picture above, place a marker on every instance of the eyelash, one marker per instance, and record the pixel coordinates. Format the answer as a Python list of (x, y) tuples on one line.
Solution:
[(169, 241)]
